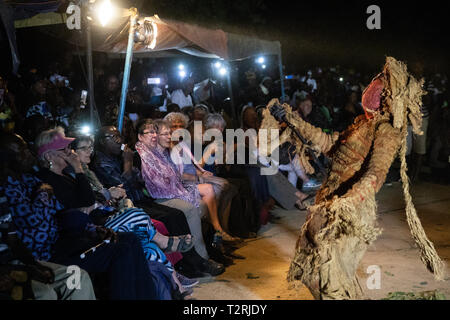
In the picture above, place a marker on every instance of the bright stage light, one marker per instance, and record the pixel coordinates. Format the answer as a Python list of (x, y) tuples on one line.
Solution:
[(86, 130), (217, 65), (105, 12), (260, 60), (181, 66), (223, 71), (182, 74)]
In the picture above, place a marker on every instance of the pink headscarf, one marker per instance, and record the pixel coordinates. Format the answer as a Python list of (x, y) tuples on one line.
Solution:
[(59, 142)]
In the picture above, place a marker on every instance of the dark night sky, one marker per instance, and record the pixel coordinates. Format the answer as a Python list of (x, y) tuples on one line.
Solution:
[(328, 31), (314, 32)]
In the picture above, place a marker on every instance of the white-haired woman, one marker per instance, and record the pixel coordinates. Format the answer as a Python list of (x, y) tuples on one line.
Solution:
[(216, 192)]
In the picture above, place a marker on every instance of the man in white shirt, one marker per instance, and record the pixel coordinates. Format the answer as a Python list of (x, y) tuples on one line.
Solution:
[(182, 97)]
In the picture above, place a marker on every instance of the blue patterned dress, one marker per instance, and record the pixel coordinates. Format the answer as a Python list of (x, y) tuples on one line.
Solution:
[(33, 211)]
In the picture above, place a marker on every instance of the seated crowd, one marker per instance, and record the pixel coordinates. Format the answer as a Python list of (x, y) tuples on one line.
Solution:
[(135, 211)]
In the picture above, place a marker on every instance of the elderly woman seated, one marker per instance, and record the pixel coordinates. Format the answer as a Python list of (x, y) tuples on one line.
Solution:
[(74, 191), (216, 192), (161, 175)]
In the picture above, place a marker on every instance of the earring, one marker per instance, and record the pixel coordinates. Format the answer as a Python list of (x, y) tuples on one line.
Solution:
[(50, 164)]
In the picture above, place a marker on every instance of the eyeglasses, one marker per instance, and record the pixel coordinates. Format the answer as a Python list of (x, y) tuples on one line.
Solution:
[(164, 134), (149, 132), (112, 135), (86, 148)]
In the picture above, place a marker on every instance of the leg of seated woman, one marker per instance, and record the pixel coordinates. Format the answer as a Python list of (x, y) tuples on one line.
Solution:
[(299, 170), (128, 220), (173, 219), (207, 193), (292, 175), (193, 216)]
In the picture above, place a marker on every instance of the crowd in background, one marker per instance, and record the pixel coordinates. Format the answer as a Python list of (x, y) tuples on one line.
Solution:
[(159, 225)]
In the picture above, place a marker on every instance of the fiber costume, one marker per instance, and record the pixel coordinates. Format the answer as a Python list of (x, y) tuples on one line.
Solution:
[(341, 224)]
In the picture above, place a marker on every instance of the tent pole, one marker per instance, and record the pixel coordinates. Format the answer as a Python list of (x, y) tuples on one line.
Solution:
[(280, 66), (90, 71), (126, 73)]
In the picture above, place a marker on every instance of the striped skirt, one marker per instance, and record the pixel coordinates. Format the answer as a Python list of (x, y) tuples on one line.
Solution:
[(137, 221)]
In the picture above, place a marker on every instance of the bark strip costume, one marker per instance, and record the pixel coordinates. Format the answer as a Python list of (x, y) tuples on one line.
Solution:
[(341, 224)]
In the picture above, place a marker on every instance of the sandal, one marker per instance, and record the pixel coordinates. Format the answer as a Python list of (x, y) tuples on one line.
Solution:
[(226, 237), (185, 243)]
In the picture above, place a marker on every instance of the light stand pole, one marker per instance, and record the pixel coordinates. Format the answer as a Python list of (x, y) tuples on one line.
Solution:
[(280, 66), (94, 120), (90, 72), (230, 92), (126, 73)]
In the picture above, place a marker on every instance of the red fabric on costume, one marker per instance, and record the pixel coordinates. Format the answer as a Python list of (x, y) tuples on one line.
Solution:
[(372, 97)]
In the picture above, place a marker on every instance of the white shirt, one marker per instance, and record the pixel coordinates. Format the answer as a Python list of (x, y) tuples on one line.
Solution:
[(180, 99)]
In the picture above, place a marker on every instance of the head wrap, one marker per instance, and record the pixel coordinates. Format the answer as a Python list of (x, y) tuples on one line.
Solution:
[(59, 142)]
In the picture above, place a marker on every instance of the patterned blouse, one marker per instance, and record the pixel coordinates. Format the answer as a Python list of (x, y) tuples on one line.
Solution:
[(42, 109), (162, 178), (33, 211)]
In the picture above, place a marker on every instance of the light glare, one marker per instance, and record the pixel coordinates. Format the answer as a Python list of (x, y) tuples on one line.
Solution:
[(222, 71), (86, 130), (105, 12)]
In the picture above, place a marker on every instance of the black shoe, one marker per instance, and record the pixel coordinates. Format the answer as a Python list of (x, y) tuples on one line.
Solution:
[(219, 255), (211, 267), (189, 272)]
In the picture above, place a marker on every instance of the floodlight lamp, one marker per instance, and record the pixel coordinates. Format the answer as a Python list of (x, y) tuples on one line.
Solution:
[(86, 130), (181, 66), (260, 60), (146, 32), (223, 71), (182, 74), (217, 65), (105, 12)]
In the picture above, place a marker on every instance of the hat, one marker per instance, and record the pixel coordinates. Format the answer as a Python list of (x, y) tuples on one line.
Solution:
[(59, 142)]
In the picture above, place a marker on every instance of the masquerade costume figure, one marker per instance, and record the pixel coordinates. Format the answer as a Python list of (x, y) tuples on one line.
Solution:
[(341, 224)]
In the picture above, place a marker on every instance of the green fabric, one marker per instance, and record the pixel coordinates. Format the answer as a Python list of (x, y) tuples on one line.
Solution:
[(93, 180)]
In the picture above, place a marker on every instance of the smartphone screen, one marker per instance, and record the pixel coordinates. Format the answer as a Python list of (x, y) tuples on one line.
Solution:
[(153, 80)]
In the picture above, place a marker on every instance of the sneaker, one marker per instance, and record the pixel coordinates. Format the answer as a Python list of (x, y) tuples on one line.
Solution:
[(311, 185), (185, 281)]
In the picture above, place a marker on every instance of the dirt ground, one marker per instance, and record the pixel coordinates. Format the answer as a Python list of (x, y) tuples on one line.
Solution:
[(262, 274)]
